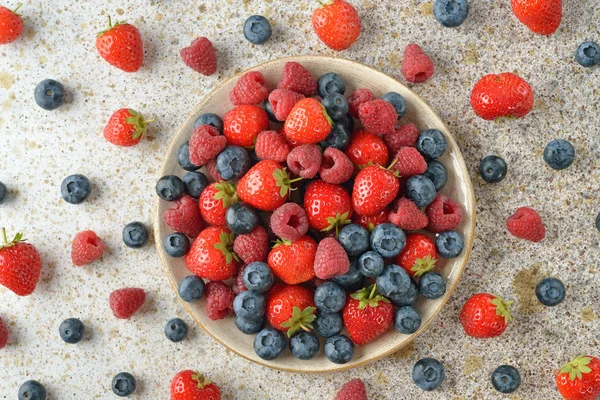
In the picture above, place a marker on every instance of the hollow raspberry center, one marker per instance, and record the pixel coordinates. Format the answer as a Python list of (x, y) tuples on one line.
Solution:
[(327, 162), (293, 221)]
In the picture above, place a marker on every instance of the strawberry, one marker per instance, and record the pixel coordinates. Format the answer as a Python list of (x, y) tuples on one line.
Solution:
[(336, 23), (419, 255), (370, 221), (11, 25), (328, 207), (540, 16), (242, 125), (292, 262), (374, 188), (367, 148), (308, 122), (210, 256), (126, 127), (200, 56), (121, 45), (485, 315), (580, 379), (191, 385), (504, 95), (3, 335), (126, 302), (20, 265), (367, 315), (290, 308), (215, 200), (265, 186)]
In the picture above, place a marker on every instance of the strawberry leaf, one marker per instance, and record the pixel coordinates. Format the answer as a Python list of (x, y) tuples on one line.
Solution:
[(577, 367), (226, 193), (201, 379), (6, 243), (502, 308), (301, 319), (423, 265)]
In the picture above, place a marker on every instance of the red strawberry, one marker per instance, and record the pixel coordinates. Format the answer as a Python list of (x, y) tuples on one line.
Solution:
[(200, 56), (540, 16), (328, 207), (253, 246), (184, 216), (526, 224), (11, 25), (126, 302), (3, 335), (408, 216), (20, 265), (292, 262), (367, 148), (409, 162), (485, 315), (297, 79), (249, 89), (374, 188), (205, 144), (215, 200), (290, 308), (308, 122), (367, 315), (126, 127), (417, 67), (579, 379), (210, 256), (353, 390), (378, 116), (418, 256), (121, 45), (370, 221), (86, 248), (191, 385), (283, 102), (242, 125), (265, 186), (331, 259), (504, 95), (337, 24)]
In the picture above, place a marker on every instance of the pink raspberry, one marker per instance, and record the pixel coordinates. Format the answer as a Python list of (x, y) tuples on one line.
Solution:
[(378, 116), (200, 56), (409, 162), (305, 160), (86, 248), (408, 216), (270, 145), (443, 214), (297, 79), (282, 101), (211, 168), (219, 300), (353, 390), (289, 222), (250, 89), (357, 98), (526, 224), (205, 144), (184, 216), (403, 136), (331, 259), (416, 65), (238, 282), (253, 246), (336, 167)]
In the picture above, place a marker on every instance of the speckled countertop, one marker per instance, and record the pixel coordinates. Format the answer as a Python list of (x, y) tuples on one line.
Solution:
[(38, 149)]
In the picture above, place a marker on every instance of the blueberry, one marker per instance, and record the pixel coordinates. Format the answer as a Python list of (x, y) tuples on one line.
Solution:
[(493, 169), (183, 158), (210, 119), (328, 324), (269, 343), (304, 345), (49, 94), (351, 280), (550, 292), (72, 330), (431, 144), (330, 297), (176, 244), (170, 188), (338, 138), (135, 235), (449, 244), (258, 277), (388, 240), (75, 189), (432, 285), (123, 384), (176, 330), (397, 101), (257, 29), (336, 106), (598, 222), (409, 298), (191, 288), (370, 264), (354, 239), (407, 320), (3, 193), (194, 183), (428, 374), (420, 189), (32, 390), (241, 218), (249, 305), (451, 13), (437, 173), (233, 162), (559, 154), (347, 121), (506, 379), (248, 326), (269, 110), (339, 349), (588, 54), (393, 281), (331, 83)]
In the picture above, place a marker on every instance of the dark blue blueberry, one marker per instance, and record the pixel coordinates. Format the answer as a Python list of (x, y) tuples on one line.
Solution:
[(451, 13), (176, 330), (269, 110), (331, 83), (32, 390), (370, 264), (258, 277), (336, 106), (437, 173), (450, 244), (598, 222), (354, 239), (123, 384), (135, 235), (407, 320), (506, 379), (3, 193), (388, 240), (420, 189), (269, 343), (304, 345), (75, 189), (550, 292), (210, 119), (176, 244), (397, 101), (428, 374), (338, 138), (241, 218), (559, 154), (233, 162), (49, 94), (431, 144), (257, 29), (328, 324), (330, 297), (249, 305), (194, 183), (346, 121), (170, 188), (493, 169), (183, 158), (339, 349), (409, 298), (394, 281), (351, 280), (191, 288), (588, 54), (432, 285), (248, 326), (72, 330)]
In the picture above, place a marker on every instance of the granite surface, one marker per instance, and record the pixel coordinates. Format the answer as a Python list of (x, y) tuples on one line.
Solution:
[(38, 149)]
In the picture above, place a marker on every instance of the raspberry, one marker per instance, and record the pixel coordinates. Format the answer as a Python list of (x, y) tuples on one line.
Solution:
[(297, 79), (331, 259), (125, 302), (270, 145), (282, 101), (249, 89), (403, 136), (408, 216), (87, 247), (353, 390), (184, 216), (409, 162), (416, 65), (526, 224), (378, 116), (336, 167), (289, 222), (3, 335), (357, 98), (200, 56), (443, 214), (369, 222), (211, 168), (205, 144), (253, 246), (238, 281), (219, 300), (305, 160)]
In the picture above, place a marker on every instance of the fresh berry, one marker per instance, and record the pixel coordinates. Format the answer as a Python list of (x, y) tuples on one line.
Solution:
[(451, 13), (409, 297), (506, 379), (49, 94), (304, 345), (374, 189), (293, 262), (352, 280), (559, 154), (419, 255), (371, 264), (417, 67), (243, 124), (428, 374), (432, 285), (86, 248), (191, 288), (409, 162), (360, 96), (407, 216), (249, 305), (74, 189), (194, 183), (123, 384), (249, 327), (289, 222), (71, 330), (420, 189), (237, 283), (215, 200), (397, 101), (211, 119), (449, 244), (11, 25), (210, 256), (200, 56), (504, 95), (170, 188), (32, 390), (328, 207), (253, 246), (443, 214), (331, 259), (211, 170), (388, 240), (135, 235), (336, 167), (354, 239), (290, 308), (205, 144), (233, 162), (257, 276), (241, 218), (337, 24), (3, 193), (191, 385), (393, 281), (176, 330), (265, 186), (431, 144), (492, 169), (372, 220), (270, 145), (308, 122), (305, 160), (353, 390), (338, 138), (367, 315), (3, 335), (297, 79), (328, 324), (330, 297), (331, 83), (336, 106), (407, 320), (219, 300), (249, 89), (367, 148), (20, 265), (184, 216), (402, 136), (540, 16), (126, 302), (257, 29), (437, 173), (378, 116), (526, 224), (485, 316), (550, 292), (282, 102), (176, 245), (121, 46), (588, 54), (269, 344), (578, 379), (339, 349)]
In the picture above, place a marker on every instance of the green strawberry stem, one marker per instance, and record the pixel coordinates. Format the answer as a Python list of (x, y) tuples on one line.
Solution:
[(301, 319), (226, 193), (138, 121), (423, 265), (577, 367), (502, 309), (327, 117), (280, 242), (17, 9), (396, 173), (283, 181), (201, 379), (336, 222), (6, 243), (225, 246), (324, 3), (368, 297), (110, 26)]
